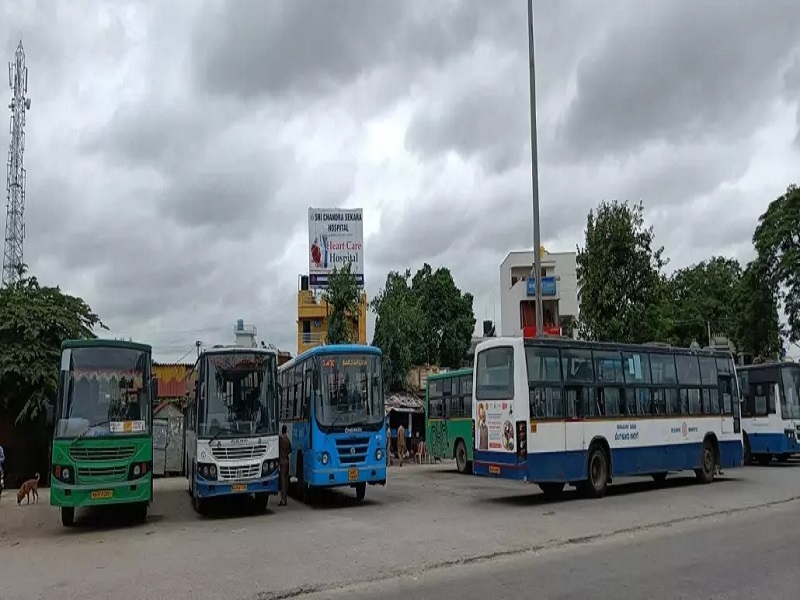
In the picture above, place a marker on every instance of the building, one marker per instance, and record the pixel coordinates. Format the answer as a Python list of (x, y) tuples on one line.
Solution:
[(518, 292), (312, 318)]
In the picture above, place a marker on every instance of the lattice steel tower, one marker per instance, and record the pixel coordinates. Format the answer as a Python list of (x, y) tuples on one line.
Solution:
[(15, 216)]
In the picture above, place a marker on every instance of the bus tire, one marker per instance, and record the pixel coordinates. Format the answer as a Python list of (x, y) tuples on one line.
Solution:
[(659, 477), (361, 490), (708, 462), (747, 457), (784, 457), (67, 516), (262, 501), (551, 489), (303, 494), (596, 482), (763, 459), (462, 464), (140, 512)]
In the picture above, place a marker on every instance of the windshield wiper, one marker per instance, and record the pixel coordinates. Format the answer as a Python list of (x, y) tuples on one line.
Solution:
[(88, 429), (220, 430)]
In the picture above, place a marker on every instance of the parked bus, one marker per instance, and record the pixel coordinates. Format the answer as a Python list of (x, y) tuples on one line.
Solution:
[(332, 402), (448, 417), (770, 411), (554, 411), (232, 425), (103, 439)]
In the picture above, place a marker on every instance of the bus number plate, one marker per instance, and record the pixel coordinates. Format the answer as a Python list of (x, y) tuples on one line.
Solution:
[(102, 494), (352, 475), (494, 469), (239, 487)]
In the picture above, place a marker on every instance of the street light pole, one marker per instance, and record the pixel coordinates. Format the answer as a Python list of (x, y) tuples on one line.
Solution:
[(537, 241)]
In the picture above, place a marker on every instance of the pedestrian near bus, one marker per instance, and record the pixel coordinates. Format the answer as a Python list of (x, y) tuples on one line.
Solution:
[(388, 445), (284, 450), (401, 443)]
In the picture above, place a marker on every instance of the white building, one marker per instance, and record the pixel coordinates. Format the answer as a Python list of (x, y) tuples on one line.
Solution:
[(518, 291)]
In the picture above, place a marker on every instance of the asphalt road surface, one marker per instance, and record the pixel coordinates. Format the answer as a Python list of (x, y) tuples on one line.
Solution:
[(427, 522), (733, 557)]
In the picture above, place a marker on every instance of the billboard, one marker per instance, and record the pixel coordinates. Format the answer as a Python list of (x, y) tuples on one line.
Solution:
[(335, 237)]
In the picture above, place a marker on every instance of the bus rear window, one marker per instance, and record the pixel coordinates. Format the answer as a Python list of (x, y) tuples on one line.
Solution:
[(495, 374)]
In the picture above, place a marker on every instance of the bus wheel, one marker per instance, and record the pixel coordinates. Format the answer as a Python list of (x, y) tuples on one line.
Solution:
[(784, 457), (659, 477), (705, 474), (551, 489), (597, 481), (302, 487), (199, 505), (262, 501), (361, 490), (763, 459), (462, 464), (748, 455), (140, 512), (67, 516)]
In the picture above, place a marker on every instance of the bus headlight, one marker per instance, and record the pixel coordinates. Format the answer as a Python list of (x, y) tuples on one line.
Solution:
[(378, 454), (137, 470), (268, 467), (207, 471), (212, 470), (325, 458)]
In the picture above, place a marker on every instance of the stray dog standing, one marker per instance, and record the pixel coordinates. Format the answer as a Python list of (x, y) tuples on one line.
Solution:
[(30, 487)]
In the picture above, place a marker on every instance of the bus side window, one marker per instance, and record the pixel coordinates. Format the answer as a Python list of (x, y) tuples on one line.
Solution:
[(466, 395)]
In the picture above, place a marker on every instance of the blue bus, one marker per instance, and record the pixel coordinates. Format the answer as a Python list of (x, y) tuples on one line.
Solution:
[(331, 401), (770, 411)]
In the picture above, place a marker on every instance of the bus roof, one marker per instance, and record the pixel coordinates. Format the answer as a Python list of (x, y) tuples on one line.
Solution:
[(100, 343), (454, 373), (768, 365), (562, 342), (332, 349), (232, 349)]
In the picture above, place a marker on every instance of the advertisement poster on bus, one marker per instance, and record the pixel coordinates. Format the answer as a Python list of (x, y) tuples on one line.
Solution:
[(335, 238), (495, 427)]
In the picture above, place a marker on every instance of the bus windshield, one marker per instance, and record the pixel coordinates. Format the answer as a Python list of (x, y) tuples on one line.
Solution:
[(103, 391), (351, 391), (791, 390), (241, 395)]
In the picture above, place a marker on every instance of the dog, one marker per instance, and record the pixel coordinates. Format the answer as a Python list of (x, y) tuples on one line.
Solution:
[(28, 489)]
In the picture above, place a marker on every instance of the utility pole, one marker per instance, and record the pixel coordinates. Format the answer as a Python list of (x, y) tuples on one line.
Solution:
[(537, 240), (198, 343)]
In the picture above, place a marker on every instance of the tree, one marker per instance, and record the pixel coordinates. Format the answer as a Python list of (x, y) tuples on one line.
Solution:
[(777, 243), (34, 320), (757, 328), (449, 319), (344, 303), (398, 327), (702, 296), (429, 321), (621, 287)]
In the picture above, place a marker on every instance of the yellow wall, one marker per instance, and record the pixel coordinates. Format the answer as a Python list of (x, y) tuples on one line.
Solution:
[(308, 308)]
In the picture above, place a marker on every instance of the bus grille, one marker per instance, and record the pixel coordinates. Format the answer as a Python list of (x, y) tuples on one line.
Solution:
[(245, 472), (352, 450), (238, 452), (102, 473), (88, 453)]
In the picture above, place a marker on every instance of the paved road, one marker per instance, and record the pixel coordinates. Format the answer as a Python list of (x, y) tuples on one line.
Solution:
[(425, 517), (733, 557)]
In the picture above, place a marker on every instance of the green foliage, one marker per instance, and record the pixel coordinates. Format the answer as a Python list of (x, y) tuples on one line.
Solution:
[(777, 242), (757, 330), (622, 290), (344, 302), (34, 320), (704, 295), (429, 321)]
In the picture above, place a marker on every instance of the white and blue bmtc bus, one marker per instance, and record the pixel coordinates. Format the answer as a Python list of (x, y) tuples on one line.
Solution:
[(554, 411), (770, 411), (232, 424), (332, 403)]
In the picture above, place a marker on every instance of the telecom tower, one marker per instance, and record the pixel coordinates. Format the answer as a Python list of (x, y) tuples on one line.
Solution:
[(15, 220)]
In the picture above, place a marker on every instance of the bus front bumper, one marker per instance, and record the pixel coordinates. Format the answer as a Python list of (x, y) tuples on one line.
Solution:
[(98, 494), (264, 485), (374, 474)]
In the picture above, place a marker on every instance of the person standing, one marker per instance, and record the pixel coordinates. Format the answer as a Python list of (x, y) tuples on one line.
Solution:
[(284, 450), (401, 443), (388, 445)]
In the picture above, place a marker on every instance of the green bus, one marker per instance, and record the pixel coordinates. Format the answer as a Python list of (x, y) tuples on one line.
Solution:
[(103, 437), (448, 417)]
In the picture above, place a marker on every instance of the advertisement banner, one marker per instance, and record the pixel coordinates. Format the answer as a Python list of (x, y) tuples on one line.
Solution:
[(335, 237), (495, 427)]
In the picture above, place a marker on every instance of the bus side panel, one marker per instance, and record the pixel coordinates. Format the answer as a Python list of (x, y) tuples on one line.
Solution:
[(547, 458), (352, 458)]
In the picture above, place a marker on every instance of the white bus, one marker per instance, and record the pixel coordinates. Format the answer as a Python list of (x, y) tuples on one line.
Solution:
[(770, 411), (554, 411), (232, 425)]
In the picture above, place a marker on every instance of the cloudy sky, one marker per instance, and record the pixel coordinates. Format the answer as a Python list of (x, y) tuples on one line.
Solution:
[(174, 148)]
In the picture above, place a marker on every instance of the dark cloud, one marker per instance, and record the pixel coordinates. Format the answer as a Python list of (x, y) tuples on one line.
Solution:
[(173, 149), (679, 71)]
